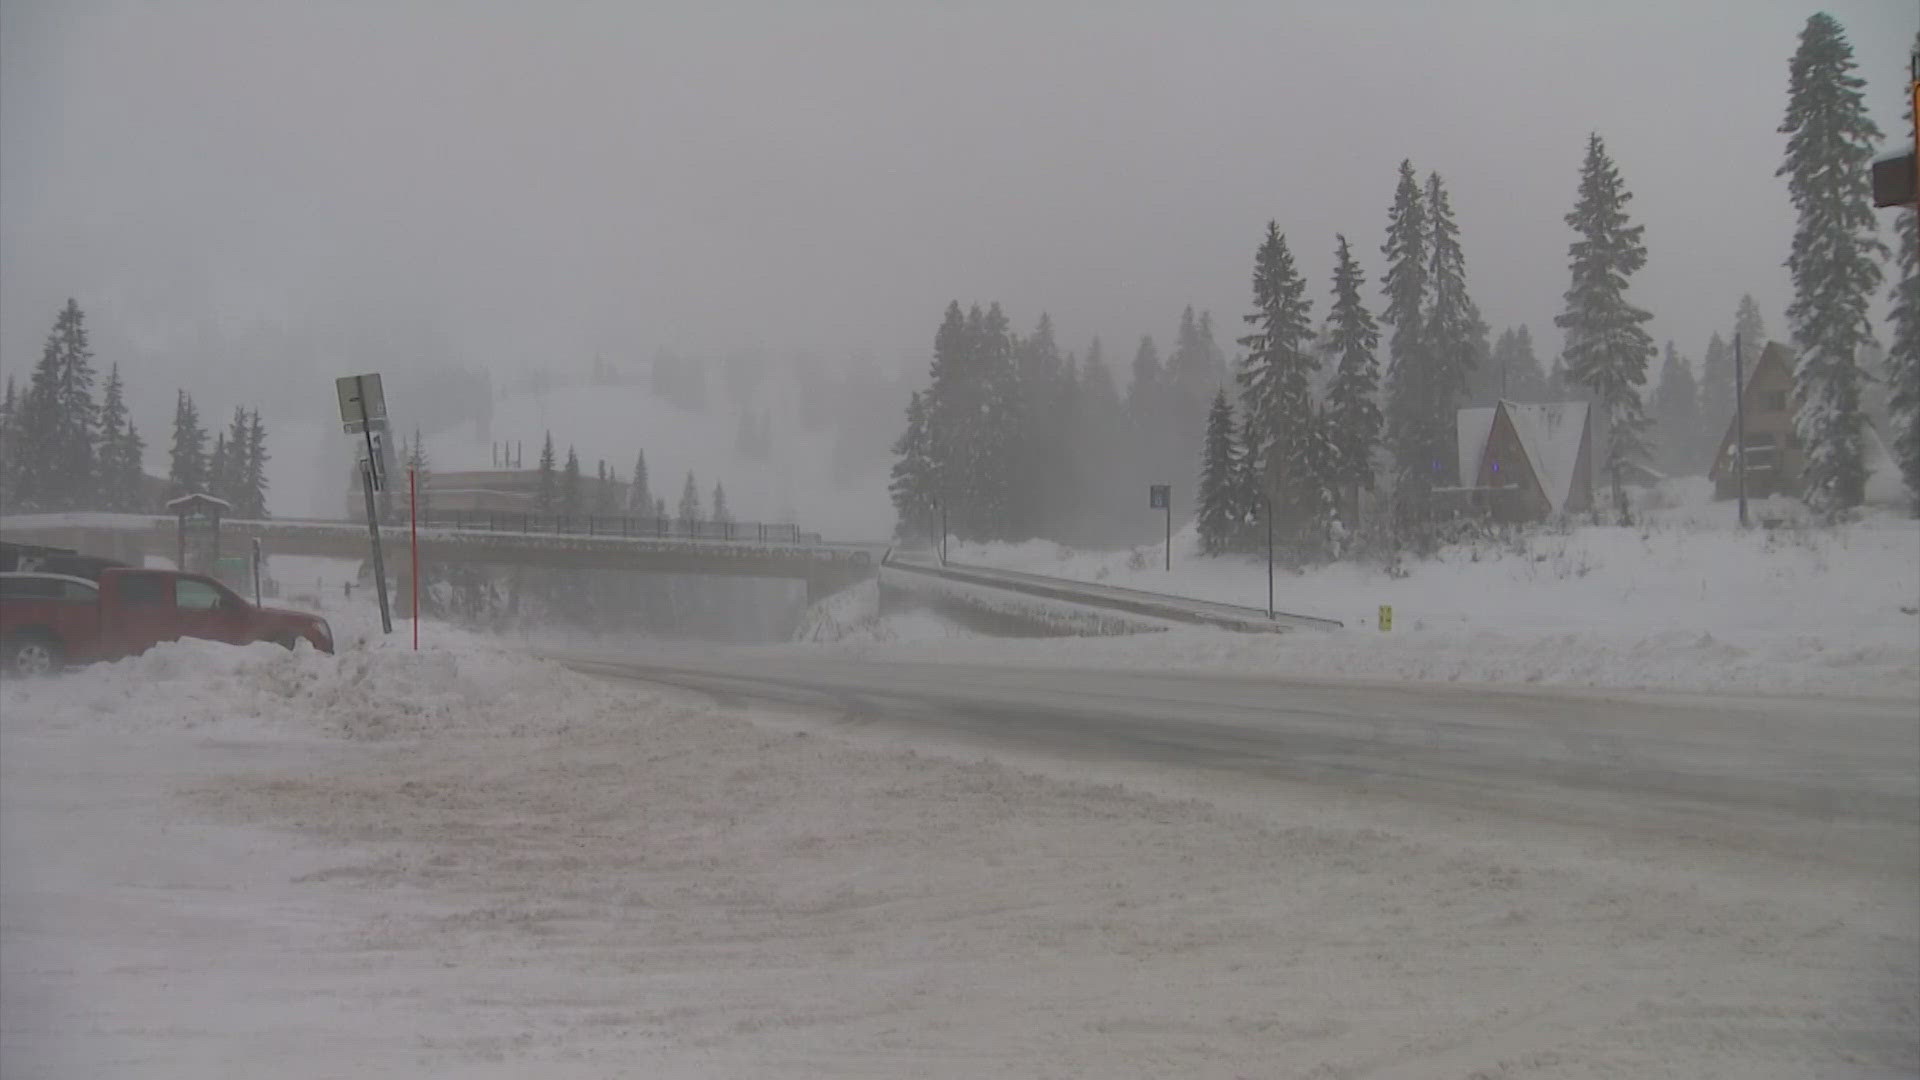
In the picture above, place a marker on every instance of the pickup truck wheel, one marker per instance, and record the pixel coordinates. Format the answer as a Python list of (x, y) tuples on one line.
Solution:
[(30, 654)]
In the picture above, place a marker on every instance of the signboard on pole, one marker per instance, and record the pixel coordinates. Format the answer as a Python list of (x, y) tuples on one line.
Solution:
[(361, 400), (1159, 496)]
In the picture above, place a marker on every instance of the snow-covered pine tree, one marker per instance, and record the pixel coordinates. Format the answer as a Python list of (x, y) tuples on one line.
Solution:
[(130, 473), (546, 498), (639, 493), (1830, 141), (1607, 345), (220, 469), (915, 501), (1410, 386), (1353, 418), (721, 515), (187, 457), (1275, 392), (1455, 335), (1903, 358), (1044, 392), (1750, 326), (78, 415), (110, 493), (1220, 515), (1716, 395), (660, 508), (689, 503), (604, 503), (571, 502), (994, 511), (9, 430), (1676, 417), (953, 403), (238, 468)]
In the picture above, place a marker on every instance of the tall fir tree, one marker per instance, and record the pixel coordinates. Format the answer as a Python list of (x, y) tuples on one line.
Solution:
[(253, 477), (111, 492), (129, 473), (238, 468), (1830, 141), (1716, 394), (220, 469), (187, 457), (915, 500), (546, 497), (639, 491), (605, 502), (1276, 395), (1607, 346), (571, 502), (1220, 515), (1411, 388), (1353, 418), (721, 515), (1453, 332), (690, 503), (1676, 416), (79, 415), (9, 432), (1750, 326)]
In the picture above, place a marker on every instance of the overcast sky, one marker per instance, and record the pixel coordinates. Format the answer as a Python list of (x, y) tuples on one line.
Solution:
[(538, 181)]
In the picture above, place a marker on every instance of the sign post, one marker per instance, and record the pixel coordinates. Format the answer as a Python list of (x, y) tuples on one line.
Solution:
[(256, 571), (413, 534), (1160, 497), (362, 404)]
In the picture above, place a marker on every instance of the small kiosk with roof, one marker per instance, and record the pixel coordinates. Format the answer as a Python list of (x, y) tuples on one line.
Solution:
[(199, 515)]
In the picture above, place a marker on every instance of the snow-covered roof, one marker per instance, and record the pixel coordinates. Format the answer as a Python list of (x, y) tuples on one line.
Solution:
[(1471, 429), (1551, 436), (198, 498)]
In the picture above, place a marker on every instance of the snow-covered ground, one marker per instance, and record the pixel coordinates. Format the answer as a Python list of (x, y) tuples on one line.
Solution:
[(1685, 602), (469, 862)]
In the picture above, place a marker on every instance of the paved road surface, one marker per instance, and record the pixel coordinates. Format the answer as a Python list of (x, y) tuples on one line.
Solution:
[(1833, 780)]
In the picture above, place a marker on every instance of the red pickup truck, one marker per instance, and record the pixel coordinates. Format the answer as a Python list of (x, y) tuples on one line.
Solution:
[(50, 620)]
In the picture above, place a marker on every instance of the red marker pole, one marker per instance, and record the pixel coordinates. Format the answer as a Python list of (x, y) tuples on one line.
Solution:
[(413, 530)]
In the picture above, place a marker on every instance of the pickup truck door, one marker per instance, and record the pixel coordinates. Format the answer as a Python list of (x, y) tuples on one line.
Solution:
[(204, 610), (136, 612)]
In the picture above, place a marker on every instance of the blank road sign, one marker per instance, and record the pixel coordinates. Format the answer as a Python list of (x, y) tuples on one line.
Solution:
[(353, 410), (1158, 496)]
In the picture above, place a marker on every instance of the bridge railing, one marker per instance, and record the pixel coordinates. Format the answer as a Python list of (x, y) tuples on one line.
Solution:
[(633, 528)]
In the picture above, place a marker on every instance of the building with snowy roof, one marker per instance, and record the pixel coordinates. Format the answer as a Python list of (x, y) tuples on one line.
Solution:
[(1525, 462)]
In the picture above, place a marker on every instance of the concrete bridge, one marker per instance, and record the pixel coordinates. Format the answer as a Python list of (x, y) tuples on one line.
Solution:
[(826, 567)]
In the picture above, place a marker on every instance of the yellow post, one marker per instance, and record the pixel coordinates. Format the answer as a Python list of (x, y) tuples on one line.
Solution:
[(1386, 617)]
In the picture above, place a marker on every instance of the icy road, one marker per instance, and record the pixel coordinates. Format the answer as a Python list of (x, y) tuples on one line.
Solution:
[(1822, 779)]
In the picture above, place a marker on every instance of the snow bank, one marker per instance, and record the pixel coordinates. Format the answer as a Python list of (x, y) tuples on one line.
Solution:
[(1685, 602), (375, 687)]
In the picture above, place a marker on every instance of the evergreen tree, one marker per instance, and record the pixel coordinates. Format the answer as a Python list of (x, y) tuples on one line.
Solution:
[(660, 508), (1045, 392), (639, 494), (1275, 388), (1716, 394), (1830, 142), (547, 496), (1748, 324), (1144, 392), (58, 422), (187, 459), (689, 503), (1903, 359), (113, 492), (953, 404), (1607, 346), (1220, 516), (1411, 387), (996, 504), (233, 487), (9, 455), (1353, 419), (1453, 333), (130, 473), (721, 515), (915, 502), (570, 500), (604, 502), (253, 479), (219, 469), (1514, 371), (1676, 416)]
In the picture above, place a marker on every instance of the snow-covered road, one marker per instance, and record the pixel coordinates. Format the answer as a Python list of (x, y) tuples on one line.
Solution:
[(470, 863)]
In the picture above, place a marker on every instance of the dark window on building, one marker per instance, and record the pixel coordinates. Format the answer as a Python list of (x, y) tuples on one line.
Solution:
[(1776, 401)]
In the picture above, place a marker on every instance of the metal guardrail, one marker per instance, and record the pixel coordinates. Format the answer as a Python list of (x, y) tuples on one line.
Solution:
[(1116, 598), (629, 528)]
